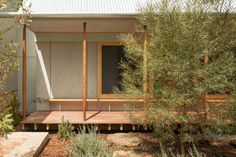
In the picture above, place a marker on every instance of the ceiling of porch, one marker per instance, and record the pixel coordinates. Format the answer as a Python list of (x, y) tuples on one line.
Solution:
[(76, 25)]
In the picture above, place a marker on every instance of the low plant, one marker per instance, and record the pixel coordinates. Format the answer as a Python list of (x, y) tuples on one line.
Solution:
[(6, 125), (9, 118), (65, 129), (192, 152), (89, 145), (13, 108)]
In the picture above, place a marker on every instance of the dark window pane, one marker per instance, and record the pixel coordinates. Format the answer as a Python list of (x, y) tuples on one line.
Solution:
[(111, 71)]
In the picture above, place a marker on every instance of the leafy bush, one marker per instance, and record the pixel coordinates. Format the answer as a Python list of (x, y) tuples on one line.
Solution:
[(89, 145), (65, 129), (13, 109), (5, 125), (9, 118)]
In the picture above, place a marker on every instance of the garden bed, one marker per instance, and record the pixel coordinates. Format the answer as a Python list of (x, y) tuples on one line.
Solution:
[(149, 147)]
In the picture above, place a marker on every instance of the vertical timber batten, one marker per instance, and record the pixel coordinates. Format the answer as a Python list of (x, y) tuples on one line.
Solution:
[(206, 105), (24, 72), (84, 71)]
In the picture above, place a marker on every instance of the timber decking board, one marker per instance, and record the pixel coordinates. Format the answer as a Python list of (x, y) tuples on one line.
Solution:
[(76, 117)]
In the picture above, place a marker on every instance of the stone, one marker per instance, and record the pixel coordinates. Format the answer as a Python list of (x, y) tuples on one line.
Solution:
[(124, 139), (229, 140), (122, 153), (23, 144), (233, 142)]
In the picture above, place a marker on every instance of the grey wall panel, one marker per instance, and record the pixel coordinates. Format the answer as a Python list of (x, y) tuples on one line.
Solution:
[(92, 71), (31, 81), (66, 67), (31, 70), (41, 86)]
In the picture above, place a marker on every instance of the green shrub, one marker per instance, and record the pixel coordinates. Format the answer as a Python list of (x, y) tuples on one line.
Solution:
[(13, 109), (9, 118), (5, 125), (89, 145), (65, 129)]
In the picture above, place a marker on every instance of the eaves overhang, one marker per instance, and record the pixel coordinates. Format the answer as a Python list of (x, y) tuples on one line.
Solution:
[(68, 15)]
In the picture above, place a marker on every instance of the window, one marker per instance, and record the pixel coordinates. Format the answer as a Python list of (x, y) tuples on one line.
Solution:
[(110, 56)]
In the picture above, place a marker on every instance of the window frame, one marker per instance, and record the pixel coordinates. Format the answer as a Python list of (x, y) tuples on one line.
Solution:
[(99, 87)]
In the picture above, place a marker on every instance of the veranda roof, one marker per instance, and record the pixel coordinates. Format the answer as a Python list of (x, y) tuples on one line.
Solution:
[(105, 7), (86, 7), (98, 8), (102, 15)]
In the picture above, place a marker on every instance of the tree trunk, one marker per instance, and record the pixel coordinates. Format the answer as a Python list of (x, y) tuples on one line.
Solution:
[(178, 141)]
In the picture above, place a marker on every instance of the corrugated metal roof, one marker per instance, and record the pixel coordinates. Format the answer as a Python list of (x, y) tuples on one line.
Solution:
[(86, 6), (99, 7)]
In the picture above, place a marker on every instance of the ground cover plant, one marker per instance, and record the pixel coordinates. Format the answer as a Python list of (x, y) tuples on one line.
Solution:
[(89, 145), (192, 152), (65, 129)]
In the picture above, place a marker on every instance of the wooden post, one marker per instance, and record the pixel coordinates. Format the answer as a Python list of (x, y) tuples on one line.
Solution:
[(84, 74), (24, 72), (206, 58), (145, 84)]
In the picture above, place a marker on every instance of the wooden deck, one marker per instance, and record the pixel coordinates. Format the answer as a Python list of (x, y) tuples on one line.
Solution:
[(76, 117), (103, 117)]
